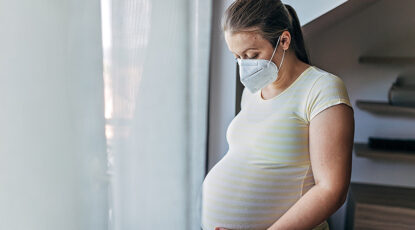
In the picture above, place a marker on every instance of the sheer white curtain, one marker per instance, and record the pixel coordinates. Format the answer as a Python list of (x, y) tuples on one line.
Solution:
[(52, 142), (156, 56)]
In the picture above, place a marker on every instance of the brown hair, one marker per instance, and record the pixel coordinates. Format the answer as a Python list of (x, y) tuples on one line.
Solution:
[(270, 17)]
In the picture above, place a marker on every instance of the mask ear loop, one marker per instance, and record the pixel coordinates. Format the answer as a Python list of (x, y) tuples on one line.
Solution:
[(282, 59), (275, 49)]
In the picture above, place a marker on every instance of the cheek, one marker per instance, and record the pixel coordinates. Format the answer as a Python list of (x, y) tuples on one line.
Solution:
[(265, 54)]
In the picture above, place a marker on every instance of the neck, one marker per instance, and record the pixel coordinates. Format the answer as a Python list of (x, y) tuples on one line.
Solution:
[(291, 68)]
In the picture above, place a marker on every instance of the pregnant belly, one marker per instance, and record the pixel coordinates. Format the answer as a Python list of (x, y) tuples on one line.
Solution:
[(239, 194)]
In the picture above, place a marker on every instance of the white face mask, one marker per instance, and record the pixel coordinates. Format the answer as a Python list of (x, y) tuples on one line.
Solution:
[(255, 74)]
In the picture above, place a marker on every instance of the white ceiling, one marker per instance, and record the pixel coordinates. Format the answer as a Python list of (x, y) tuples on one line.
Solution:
[(308, 10)]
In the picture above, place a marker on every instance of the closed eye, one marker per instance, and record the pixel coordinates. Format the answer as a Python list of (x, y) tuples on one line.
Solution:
[(254, 56)]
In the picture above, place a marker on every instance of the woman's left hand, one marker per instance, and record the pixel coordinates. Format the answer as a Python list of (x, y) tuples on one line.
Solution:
[(220, 228)]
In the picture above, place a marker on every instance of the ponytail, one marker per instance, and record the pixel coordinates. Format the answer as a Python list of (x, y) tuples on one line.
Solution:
[(297, 36)]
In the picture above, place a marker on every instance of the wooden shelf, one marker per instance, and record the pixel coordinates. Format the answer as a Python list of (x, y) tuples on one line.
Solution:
[(363, 150), (385, 195), (387, 60), (384, 108), (372, 206)]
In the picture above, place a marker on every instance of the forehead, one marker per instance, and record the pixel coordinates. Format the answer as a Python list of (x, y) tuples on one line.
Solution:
[(240, 41)]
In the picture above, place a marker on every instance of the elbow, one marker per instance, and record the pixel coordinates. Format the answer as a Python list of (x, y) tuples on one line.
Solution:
[(337, 193), (341, 196), (343, 193)]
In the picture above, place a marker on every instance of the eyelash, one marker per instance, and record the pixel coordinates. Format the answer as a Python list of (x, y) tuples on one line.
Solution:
[(251, 57)]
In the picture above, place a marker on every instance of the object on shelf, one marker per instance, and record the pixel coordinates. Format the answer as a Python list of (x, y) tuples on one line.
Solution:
[(402, 92), (402, 96), (363, 150), (405, 80), (392, 144), (384, 108)]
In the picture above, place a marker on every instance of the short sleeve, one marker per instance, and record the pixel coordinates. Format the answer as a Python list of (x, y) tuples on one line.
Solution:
[(328, 90)]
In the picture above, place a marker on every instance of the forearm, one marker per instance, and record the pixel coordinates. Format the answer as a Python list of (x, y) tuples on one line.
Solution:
[(315, 206)]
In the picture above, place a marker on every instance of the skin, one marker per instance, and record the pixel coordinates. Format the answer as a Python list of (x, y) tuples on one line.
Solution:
[(331, 134)]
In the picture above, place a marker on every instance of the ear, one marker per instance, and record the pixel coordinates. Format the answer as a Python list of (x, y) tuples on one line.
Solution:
[(285, 40)]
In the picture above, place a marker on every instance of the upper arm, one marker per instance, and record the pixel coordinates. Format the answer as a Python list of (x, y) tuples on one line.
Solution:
[(331, 134)]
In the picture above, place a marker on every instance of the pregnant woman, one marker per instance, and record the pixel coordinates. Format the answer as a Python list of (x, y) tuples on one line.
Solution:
[(289, 160)]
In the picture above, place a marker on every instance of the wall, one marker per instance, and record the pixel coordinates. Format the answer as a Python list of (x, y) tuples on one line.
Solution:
[(384, 28), (222, 87)]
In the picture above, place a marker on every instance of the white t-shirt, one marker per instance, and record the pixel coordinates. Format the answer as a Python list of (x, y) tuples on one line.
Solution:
[(267, 167)]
